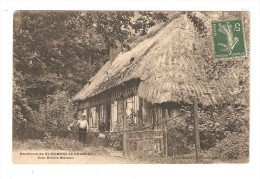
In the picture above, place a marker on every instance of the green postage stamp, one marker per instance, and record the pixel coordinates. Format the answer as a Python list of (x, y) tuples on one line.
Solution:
[(228, 38)]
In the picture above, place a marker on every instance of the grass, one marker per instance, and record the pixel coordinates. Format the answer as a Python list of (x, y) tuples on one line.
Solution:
[(94, 148), (185, 159), (50, 144)]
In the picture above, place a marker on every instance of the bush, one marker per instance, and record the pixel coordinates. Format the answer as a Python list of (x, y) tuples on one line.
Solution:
[(56, 115), (115, 140), (179, 140), (234, 146), (215, 124), (53, 117)]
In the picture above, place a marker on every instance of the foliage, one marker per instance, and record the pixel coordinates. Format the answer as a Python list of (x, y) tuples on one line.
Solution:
[(221, 122), (215, 124), (119, 126), (179, 137), (22, 112), (234, 146), (115, 140), (56, 115), (198, 24), (147, 20)]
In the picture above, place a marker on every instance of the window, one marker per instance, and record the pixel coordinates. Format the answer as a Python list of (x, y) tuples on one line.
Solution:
[(114, 115), (101, 112), (132, 107), (129, 107), (93, 117)]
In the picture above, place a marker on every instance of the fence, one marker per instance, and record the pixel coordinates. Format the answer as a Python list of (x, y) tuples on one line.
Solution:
[(150, 142)]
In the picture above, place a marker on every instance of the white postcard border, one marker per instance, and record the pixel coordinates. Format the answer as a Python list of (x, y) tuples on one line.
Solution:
[(212, 171)]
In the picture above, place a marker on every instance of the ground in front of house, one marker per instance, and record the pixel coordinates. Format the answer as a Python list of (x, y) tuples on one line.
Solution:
[(64, 151), (87, 155)]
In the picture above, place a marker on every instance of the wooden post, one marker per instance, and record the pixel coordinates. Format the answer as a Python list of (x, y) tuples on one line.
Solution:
[(166, 134), (196, 128), (160, 127), (105, 114), (125, 148), (125, 138)]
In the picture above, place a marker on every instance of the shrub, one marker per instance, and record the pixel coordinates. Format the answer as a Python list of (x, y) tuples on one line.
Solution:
[(55, 116), (115, 140), (234, 146), (215, 124), (178, 139), (22, 112)]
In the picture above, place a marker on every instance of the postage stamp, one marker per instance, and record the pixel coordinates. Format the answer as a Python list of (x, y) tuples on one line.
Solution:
[(228, 38)]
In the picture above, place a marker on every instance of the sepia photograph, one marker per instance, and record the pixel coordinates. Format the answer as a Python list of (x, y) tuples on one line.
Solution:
[(130, 87)]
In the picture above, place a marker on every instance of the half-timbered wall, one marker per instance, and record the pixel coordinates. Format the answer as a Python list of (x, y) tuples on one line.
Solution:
[(124, 91)]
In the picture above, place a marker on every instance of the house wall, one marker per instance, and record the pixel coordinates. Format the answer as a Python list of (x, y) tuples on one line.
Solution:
[(126, 107), (114, 113), (111, 112), (151, 114)]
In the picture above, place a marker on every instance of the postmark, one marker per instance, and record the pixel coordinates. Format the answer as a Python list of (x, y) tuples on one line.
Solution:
[(228, 38)]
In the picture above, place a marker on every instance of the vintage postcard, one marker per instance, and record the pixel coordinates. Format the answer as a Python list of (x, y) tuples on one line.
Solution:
[(130, 87)]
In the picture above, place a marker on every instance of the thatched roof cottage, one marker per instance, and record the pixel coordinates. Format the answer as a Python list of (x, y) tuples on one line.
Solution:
[(157, 74)]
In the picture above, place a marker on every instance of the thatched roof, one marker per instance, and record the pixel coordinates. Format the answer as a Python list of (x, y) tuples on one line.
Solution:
[(165, 65)]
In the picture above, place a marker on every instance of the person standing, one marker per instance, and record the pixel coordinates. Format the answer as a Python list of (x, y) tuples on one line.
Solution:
[(83, 128)]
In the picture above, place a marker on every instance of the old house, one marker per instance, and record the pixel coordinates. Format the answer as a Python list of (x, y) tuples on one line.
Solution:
[(148, 84)]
